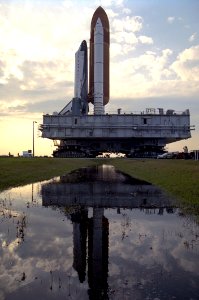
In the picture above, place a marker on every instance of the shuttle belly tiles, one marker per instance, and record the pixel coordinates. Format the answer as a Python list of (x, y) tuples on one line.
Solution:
[(81, 72)]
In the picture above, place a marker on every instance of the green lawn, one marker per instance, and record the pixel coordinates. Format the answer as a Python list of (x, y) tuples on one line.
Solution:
[(20, 171), (178, 177)]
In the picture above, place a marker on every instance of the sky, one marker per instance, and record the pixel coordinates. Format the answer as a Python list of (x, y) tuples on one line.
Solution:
[(154, 62)]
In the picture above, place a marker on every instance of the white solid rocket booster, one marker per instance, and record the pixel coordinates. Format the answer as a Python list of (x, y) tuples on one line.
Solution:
[(98, 68)]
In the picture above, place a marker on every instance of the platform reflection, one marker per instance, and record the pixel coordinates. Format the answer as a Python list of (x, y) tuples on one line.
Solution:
[(83, 196)]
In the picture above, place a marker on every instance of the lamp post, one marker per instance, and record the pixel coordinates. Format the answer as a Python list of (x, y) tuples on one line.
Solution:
[(33, 138)]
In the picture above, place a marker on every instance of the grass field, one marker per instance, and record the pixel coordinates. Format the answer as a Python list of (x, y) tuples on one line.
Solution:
[(20, 171), (178, 177)]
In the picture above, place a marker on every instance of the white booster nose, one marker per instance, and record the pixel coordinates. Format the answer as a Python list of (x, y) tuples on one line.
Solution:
[(98, 68)]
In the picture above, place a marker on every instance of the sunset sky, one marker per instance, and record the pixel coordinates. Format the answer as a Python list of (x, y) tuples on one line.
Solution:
[(154, 61)]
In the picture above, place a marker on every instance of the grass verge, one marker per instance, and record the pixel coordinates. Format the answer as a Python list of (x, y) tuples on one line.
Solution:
[(19, 171), (178, 177)]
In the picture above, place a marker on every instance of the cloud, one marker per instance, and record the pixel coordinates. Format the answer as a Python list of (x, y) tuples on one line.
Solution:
[(46, 37), (115, 49), (170, 20), (187, 65), (120, 49), (108, 3), (123, 35), (193, 37), (29, 258), (27, 95), (125, 38), (126, 11), (67, 4), (156, 73), (140, 72), (132, 24), (145, 39), (111, 13)]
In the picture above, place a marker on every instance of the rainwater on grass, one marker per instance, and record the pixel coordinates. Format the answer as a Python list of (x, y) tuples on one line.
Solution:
[(96, 234)]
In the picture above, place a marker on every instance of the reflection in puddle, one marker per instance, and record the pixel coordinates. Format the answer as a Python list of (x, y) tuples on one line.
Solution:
[(96, 234)]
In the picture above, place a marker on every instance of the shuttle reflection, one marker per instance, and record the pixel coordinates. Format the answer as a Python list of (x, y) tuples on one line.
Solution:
[(84, 195)]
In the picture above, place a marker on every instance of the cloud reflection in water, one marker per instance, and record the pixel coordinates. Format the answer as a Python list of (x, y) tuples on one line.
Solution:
[(96, 234)]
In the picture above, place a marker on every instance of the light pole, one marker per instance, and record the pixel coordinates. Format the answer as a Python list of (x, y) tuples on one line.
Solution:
[(33, 138)]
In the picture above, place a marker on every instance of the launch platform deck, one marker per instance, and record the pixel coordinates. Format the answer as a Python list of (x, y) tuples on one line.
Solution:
[(117, 132)]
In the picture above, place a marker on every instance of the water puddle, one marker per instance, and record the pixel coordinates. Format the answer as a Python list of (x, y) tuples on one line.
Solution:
[(96, 234)]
